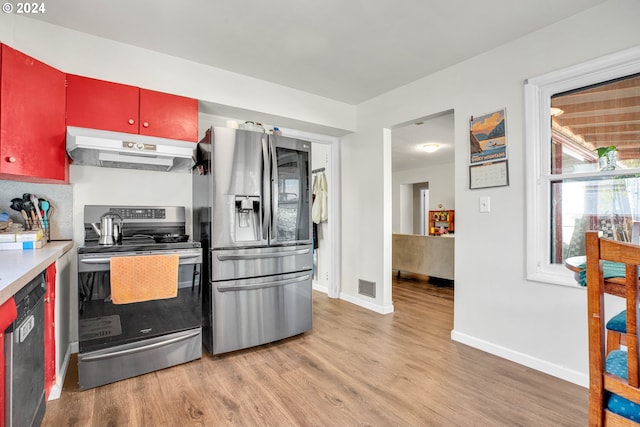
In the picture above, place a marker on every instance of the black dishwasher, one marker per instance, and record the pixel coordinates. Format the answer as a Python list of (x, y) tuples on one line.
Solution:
[(24, 358)]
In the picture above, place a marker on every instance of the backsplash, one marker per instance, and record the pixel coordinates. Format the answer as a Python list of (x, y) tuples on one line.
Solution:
[(60, 196)]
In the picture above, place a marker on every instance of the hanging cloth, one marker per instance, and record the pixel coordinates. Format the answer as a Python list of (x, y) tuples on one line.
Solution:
[(320, 208)]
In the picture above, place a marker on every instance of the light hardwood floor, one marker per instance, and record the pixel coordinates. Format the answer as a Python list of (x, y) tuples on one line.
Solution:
[(355, 368)]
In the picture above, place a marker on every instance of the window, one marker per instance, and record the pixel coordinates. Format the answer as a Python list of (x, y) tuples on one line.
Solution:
[(570, 116)]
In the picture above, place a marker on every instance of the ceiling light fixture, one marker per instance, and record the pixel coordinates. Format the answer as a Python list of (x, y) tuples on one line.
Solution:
[(430, 148)]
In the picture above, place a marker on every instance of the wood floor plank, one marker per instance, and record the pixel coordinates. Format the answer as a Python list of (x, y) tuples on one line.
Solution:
[(355, 368)]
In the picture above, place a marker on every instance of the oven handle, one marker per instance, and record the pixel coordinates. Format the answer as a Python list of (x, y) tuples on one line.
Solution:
[(107, 260), (262, 256), (228, 288), (139, 349)]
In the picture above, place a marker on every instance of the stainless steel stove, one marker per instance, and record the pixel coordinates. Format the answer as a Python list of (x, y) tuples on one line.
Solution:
[(118, 341)]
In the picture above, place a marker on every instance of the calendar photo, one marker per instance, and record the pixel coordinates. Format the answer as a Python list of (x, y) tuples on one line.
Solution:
[(488, 138)]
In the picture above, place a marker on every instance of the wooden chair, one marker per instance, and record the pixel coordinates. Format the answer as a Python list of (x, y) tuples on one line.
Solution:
[(614, 394)]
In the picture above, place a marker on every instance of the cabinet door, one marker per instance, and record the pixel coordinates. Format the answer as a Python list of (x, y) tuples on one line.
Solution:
[(168, 116), (32, 125), (8, 314), (50, 330), (98, 104)]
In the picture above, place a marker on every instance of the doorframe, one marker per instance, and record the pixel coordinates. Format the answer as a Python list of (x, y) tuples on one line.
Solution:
[(333, 179), (424, 209)]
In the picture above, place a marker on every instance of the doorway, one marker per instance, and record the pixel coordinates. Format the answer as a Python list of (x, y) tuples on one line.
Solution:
[(421, 182)]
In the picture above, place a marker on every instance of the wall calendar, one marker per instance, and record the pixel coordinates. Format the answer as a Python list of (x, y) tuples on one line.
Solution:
[(494, 174)]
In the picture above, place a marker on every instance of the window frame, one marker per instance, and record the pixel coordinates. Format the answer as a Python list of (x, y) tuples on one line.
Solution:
[(537, 96)]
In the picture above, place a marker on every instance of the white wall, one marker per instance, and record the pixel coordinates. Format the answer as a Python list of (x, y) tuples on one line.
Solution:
[(543, 326), (441, 191), (403, 214)]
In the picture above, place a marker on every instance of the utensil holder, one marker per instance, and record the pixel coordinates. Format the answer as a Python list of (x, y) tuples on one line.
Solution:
[(45, 226)]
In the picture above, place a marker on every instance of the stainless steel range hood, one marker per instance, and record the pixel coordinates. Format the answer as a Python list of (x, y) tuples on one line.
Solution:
[(122, 150)]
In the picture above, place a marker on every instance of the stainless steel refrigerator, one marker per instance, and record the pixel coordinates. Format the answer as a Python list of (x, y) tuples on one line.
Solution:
[(252, 215)]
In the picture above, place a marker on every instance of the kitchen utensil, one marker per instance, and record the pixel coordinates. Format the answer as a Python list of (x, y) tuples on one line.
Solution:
[(45, 205), (16, 204), (27, 221), (164, 238), (170, 238), (110, 231), (36, 207)]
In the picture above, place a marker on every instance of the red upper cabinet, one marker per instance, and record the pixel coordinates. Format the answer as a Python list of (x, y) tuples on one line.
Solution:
[(98, 104), (169, 116), (32, 125)]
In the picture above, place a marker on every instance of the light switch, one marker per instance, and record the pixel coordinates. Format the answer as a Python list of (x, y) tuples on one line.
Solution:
[(485, 204)]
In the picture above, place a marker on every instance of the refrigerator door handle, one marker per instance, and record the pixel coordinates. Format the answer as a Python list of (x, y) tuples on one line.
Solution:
[(266, 179), (275, 196), (248, 287), (234, 257)]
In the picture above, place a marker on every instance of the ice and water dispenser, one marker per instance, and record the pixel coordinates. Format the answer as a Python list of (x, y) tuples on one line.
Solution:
[(247, 218)]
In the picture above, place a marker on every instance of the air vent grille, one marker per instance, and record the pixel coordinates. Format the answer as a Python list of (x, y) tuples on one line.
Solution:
[(367, 288)]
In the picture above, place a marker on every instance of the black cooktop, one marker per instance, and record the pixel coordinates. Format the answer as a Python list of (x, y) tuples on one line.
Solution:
[(135, 245)]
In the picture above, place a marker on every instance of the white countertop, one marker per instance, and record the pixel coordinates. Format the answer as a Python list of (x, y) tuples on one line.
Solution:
[(18, 267)]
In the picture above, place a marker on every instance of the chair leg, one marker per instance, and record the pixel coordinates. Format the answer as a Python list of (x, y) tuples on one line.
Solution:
[(613, 341)]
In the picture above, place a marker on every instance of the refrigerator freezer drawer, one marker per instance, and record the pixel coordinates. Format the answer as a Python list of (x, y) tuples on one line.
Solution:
[(252, 312), (235, 264)]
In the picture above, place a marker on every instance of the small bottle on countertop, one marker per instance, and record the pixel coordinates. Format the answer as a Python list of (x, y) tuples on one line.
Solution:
[(277, 131)]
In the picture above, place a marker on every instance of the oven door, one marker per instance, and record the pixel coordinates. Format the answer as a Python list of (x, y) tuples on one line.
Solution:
[(118, 341)]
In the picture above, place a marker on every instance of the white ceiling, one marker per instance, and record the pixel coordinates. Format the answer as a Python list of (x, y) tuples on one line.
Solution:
[(349, 51), (408, 140)]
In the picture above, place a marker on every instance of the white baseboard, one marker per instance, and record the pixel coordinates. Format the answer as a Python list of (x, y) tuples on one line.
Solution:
[(56, 389), (357, 301), (382, 309), (318, 287), (557, 371)]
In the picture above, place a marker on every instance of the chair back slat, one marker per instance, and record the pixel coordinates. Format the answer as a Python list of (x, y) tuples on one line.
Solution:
[(631, 284), (599, 250)]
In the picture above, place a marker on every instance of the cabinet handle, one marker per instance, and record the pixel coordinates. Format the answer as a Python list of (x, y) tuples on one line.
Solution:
[(145, 124), (11, 159), (131, 121)]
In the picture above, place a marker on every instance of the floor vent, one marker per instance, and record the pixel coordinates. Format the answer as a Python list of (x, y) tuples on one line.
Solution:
[(367, 288)]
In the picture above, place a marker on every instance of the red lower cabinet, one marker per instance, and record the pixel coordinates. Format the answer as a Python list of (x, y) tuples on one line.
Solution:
[(50, 331), (8, 314)]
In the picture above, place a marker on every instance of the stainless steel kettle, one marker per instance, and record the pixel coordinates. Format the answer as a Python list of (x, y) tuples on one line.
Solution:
[(110, 231)]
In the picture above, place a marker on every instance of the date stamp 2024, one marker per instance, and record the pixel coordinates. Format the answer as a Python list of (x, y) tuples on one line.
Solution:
[(24, 8)]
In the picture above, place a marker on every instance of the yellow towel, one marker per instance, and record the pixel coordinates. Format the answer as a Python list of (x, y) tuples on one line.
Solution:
[(143, 278)]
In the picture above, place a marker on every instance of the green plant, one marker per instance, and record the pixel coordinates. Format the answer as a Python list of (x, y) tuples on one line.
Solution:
[(602, 151)]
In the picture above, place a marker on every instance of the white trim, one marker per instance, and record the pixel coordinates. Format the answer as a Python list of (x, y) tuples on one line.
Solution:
[(334, 203), (524, 359), (56, 389), (537, 94), (381, 309), (335, 225)]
